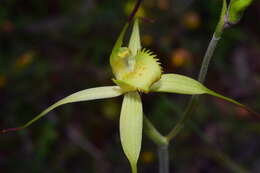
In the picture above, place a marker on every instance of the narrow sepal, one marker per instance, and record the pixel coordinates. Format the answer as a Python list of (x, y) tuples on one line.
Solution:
[(131, 125), (84, 95), (175, 83), (135, 42)]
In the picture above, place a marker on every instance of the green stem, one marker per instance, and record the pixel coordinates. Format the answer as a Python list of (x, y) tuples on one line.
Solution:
[(206, 60), (137, 6), (163, 153), (201, 78), (161, 143), (180, 124), (202, 74), (153, 133)]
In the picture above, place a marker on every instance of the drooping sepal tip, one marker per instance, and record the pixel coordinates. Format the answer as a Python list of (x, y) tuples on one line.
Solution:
[(84, 95), (134, 167), (180, 84)]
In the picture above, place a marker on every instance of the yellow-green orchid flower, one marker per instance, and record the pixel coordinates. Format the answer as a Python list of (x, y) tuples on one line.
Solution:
[(136, 70)]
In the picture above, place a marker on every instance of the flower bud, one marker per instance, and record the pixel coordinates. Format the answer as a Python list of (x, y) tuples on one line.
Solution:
[(236, 10)]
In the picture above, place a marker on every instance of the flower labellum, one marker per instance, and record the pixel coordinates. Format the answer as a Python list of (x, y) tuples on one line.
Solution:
[(135, 69)]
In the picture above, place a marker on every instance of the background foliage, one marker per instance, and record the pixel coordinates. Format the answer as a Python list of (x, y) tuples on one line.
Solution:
[(50, 49)]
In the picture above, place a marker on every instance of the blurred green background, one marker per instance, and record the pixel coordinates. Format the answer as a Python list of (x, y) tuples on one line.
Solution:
[(52, 48)]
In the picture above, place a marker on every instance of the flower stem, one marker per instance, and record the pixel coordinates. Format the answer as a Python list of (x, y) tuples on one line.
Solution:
[(202, 74), (163, 153), (206, 60), (137, 5), (161, 143), (177, 128), (153, 133)]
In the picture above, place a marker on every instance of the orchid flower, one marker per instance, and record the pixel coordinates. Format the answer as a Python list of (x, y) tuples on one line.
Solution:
[(136, 70)]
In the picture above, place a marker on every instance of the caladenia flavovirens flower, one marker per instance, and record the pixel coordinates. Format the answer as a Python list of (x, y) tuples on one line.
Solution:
[(136, 70)]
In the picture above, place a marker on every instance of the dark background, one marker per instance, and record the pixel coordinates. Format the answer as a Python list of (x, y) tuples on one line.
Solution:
[(52, 48)]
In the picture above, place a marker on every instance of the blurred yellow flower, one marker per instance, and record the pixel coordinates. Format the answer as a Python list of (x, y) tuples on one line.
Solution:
[(163, 4), (2, 81), (147, 40), (147, 157), (191, 20), (24, 59), (180, 57)]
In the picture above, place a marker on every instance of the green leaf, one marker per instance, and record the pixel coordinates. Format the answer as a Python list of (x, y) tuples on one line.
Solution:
[(84, 95), (175, 83), (131, 125)]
